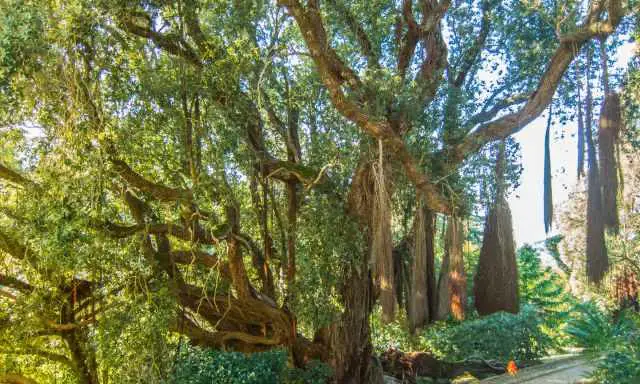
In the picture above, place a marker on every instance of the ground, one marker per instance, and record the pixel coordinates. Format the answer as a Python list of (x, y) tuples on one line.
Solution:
[(571, 370)]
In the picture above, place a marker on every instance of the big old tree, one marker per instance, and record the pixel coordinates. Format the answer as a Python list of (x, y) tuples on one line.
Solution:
[(228, 172)]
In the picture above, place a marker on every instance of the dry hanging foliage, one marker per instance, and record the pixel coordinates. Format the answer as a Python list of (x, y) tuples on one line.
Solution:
[(548, 196), (608, 133), (418, 297), (597, 259), (452, 284), (381, 242), (496, 281), (580, 137)]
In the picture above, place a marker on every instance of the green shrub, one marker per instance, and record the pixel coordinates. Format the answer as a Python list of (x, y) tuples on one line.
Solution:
[(501, 336), (206, 366), (620, 366), (546, 290), (620, 342), (594, 330)]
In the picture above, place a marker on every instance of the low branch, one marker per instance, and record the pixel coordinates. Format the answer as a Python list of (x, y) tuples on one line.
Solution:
[(14, 283), (14, 378), (15, 178), (40, 353)]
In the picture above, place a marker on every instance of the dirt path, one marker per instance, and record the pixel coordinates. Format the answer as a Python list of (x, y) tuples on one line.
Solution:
[(568, 371)]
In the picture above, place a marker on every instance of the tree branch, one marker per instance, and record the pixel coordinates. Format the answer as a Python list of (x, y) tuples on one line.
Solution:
[(565, 53), (14, 283), (158, 191), (370, 53), (15, 178)]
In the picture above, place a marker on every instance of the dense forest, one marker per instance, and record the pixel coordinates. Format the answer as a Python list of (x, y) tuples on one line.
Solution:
[(306, 191)]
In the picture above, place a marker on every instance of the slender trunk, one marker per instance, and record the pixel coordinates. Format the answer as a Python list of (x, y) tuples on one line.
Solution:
[(292, 217), (431, 262)]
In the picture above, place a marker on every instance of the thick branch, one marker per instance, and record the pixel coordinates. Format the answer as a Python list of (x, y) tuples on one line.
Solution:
[(17, 284), (472, 55), (14, 177), (171, 43), (158, 191)]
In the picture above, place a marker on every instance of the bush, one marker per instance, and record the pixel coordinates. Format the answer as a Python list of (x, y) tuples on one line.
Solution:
[(501, 336), (594, 329), (619, 340), (206, 366), (546, 290)]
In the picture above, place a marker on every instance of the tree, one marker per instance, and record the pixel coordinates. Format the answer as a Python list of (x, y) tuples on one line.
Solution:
[(200, 164)]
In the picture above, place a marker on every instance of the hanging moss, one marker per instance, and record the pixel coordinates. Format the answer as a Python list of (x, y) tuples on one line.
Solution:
[(452, 284), (608, 132), (381, 243), (597, 259), (548, 196), (496, 281)]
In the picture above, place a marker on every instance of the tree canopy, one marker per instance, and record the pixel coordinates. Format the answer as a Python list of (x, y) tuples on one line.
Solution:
[(244, 175)]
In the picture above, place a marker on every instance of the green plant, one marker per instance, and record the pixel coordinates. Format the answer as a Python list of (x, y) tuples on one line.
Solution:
[(200, 366), (546, 290), (594, 330), (501, 336), (621, 364)]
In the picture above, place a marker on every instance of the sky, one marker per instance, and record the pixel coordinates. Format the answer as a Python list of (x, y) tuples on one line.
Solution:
[(526, 201)]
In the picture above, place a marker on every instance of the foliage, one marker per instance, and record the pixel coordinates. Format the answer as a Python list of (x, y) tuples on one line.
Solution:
[(501, 336), (621, 360), (391, 335), (185, 167), (596, 330), (547, 291), (203, 366)]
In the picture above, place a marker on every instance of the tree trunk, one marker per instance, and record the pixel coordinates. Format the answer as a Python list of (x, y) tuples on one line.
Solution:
[(597, 258), (348, 340), (431, 263)]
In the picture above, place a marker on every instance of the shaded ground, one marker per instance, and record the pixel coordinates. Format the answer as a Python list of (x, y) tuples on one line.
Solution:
[(571, 370)]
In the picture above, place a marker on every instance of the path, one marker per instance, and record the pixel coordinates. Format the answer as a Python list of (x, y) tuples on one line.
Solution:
[(572, 370)]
